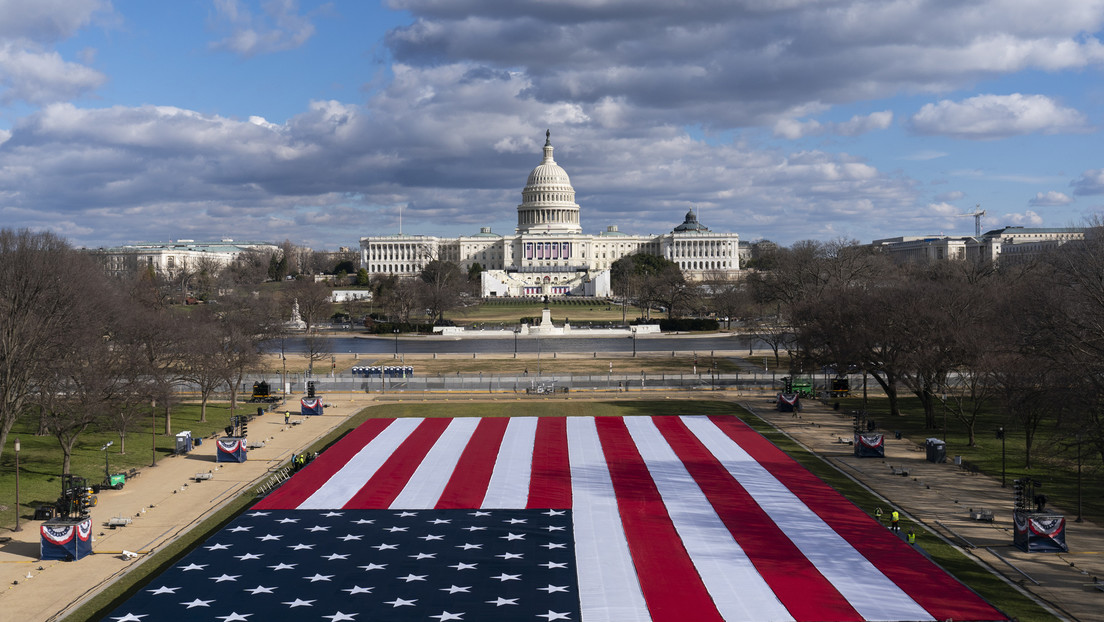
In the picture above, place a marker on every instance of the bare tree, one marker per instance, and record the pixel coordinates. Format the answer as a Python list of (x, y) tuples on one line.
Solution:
[(442, 283), (42, 292)]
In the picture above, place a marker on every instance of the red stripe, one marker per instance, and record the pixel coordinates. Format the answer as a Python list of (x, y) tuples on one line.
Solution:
[(670, 583), (801, 588), (387, 482), (468, 483), (927, 584), (550, 480), (297, 489)]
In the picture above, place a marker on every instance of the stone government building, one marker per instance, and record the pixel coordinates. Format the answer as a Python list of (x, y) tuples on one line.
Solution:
[(548, 254)]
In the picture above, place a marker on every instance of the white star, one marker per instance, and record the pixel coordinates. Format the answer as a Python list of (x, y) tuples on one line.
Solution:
[(511, 556), (192, 567), (479, 513), (444, 615), (413, 577), (406, 514), (508, 577), (348, 537), (248, 556), (373, 566), (463, 566), (333, 514), (226, 577), (239, 528), (217, 547), (333, 556), (260, 589), (512, 536), (420, 556), (364, 521), (130, 617), (384, 547), (553, 588), (431, 537), (398, 602), (267, 537), (198, 603), (283, 566), (337, 617), (554, 528), (301, 546), (466, 546), (454, 589), (553, 513), (235, 617), (394, 529), (553, 545), (515, 521), (551, 565), (288, 520), (502, 601), (163, 590), (258, 514), (440, 521), (319, 577), (552, 615), (474, 528), (298, 603), (318, 528), (356, 589)]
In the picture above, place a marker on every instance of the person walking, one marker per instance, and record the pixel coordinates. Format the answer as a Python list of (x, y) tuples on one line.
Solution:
[(911, 537), (287, 417), (894, 519)]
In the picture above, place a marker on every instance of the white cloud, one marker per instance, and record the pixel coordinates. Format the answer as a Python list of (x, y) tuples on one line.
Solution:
[(1026, 219), (279, 28), (1090, 182), (1050, 199), (952, 195), (988, 117), (48, 21), (41, 77), (858, 124)]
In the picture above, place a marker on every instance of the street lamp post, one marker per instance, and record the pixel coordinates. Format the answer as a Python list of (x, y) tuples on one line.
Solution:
[(633, 329), (517, 331), (1000, 434), (1078, 520), (17, 527), (396, 331)]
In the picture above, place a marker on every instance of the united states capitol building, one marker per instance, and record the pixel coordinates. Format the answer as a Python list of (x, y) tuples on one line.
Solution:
[(548, 253)]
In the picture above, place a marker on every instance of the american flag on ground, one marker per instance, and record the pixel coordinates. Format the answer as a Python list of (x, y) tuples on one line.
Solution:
[(533, 518)]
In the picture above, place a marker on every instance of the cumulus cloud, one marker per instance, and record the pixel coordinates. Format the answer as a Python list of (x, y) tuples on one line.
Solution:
[(987, 117), (1026, 219), (856, 125), (280, 27), (42, 77), (1090, 182), (48, 21), (731, 64), (1050, 199), (952, 195)]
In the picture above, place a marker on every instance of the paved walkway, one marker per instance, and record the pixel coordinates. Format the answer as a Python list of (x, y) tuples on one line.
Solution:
[(163, 502), (941, 496)]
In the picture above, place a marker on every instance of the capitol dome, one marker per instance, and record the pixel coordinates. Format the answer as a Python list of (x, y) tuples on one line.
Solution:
[(548, 200)]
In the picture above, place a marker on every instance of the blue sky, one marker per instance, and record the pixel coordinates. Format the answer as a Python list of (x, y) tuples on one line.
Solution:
[(130, 120)]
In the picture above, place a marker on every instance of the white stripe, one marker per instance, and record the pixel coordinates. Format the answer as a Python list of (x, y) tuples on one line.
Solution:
[(509, 485), (869, 591), (424, 488), (608, 588), (342, 485), (738, 590)]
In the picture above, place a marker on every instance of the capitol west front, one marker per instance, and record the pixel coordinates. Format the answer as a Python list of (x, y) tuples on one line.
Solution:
[(548, 254)]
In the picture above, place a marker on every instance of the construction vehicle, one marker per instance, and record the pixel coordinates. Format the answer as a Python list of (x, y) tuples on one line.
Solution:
[(76, 500)]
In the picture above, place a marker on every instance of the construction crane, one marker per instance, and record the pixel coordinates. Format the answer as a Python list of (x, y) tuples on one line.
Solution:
[(977, 214)]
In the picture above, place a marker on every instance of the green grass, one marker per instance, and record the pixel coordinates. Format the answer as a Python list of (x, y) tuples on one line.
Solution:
[(40, 457), (1054, 460), (989, 586)]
